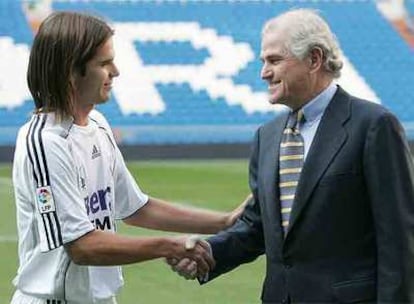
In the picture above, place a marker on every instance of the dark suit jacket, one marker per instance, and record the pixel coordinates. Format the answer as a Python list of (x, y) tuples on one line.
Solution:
[(351, 233)]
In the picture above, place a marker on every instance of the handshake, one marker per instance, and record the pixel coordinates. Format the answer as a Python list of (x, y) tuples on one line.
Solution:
[(195, 259)]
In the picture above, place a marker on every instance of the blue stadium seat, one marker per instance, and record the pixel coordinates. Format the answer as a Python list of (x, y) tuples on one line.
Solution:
[(380, 55)]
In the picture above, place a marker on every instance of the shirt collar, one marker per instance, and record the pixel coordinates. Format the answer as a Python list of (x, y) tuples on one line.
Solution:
[(314, 109)]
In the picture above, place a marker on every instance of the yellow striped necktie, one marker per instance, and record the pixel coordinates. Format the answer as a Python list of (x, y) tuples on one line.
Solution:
[(291, 158)]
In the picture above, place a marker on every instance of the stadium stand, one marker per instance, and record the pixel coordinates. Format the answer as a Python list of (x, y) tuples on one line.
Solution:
[(190, 69)]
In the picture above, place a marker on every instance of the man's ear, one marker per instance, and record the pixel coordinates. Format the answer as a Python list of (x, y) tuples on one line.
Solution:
[(73, 81), (315, 59), (74, 77)]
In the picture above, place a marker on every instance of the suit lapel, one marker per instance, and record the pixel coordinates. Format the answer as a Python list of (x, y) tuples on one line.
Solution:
[(328, 140), (270, 142)]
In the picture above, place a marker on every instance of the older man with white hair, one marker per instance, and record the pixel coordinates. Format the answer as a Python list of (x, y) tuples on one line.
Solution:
[(332, 183)]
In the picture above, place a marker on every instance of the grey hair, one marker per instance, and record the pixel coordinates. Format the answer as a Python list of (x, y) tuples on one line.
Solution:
[(305, 29)]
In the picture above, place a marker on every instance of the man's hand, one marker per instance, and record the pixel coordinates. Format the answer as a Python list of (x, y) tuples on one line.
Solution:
[(188, 267)]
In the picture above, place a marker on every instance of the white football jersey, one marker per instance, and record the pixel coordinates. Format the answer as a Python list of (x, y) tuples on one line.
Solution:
[(68, 180)]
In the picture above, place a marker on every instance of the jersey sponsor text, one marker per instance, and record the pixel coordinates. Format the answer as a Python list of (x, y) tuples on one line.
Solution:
[(98, 209)]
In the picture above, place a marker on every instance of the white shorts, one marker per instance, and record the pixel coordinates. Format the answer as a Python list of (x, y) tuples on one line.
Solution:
[(21, 298)]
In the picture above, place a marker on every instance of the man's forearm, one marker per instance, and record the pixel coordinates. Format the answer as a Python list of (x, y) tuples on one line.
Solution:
[(160, 215), (103, 248)]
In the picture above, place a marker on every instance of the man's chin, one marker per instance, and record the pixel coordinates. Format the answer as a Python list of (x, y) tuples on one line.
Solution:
[(275, 101), (280, 102), (103, 100)]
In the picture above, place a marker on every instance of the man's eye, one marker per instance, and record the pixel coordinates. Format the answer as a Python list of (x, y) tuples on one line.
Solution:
[(104, 63)]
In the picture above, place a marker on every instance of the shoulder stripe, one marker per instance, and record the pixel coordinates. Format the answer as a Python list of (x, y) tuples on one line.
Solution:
[(50, 223), (32, 150), (37, 156), (48, 301), (37, 144), (110, 139), (29, 153), (59, 232), (46, 232), (42, 151), (105, 130), (52, 230)]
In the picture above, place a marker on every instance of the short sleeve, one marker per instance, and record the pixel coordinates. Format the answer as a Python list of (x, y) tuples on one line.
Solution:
[(128, 196)]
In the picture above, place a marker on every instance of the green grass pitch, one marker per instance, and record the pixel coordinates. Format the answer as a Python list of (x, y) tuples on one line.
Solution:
[(213, 184)]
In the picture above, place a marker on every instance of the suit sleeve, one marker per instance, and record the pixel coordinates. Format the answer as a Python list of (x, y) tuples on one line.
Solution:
[(243, 242), (389, 175)]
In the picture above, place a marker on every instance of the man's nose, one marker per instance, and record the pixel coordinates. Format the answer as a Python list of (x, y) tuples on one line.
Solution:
[(265, 73), (114, 71)]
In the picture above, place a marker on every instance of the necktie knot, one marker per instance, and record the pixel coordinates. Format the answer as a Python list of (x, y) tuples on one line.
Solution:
[(295, 118)]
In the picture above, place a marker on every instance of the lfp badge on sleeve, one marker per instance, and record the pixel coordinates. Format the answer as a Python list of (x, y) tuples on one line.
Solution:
[(45, 200)]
